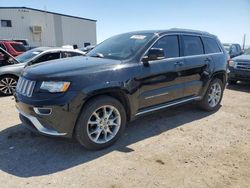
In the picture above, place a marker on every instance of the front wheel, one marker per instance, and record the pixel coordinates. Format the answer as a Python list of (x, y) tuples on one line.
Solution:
[(213, 96), (101, 123), (8, 85)]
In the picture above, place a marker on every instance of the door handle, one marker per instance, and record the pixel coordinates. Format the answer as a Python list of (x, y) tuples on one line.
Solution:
[(179, 63)]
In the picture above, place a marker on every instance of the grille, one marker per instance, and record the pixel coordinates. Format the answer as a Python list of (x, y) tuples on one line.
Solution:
[(25, 87), (243, 65)]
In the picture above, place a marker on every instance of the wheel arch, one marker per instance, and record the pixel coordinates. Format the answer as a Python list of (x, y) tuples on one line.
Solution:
[(9, 74), (222, 75), (116, 93)]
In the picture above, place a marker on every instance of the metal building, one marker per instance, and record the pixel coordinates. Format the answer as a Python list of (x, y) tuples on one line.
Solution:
[(43, 28)]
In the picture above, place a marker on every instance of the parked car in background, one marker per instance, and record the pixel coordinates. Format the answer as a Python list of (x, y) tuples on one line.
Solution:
[(239, 68), (25, 43), (233, 49), (124, 77), (87, 49), (12, 47), (12, 67)]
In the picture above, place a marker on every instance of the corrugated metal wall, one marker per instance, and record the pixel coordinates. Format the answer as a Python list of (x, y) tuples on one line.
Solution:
[(69, 30)]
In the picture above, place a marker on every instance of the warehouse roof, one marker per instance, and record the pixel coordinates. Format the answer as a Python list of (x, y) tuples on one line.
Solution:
[(27, 8)]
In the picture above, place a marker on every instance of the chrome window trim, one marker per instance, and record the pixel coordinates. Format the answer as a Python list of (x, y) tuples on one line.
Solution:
[(173, 58)]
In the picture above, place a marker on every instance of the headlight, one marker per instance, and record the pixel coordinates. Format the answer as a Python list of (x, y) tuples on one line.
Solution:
[(232, 63), (55, 87)]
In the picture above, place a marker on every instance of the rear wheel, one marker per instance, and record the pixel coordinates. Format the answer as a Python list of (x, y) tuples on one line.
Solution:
[(213, 96), (8, 85), (101, 123)]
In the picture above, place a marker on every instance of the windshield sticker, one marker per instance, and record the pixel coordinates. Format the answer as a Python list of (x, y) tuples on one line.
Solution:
[(35, 53), (138, 37)]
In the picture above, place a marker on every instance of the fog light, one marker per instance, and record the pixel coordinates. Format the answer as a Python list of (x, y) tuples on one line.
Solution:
[(43, 111)]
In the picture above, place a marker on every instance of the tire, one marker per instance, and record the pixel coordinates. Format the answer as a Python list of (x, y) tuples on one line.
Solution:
[(92, 126), (232, 82), (207, 103), (8, 85)]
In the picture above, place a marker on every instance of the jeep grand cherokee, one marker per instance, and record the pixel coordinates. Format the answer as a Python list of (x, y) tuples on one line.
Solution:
[(124, 77)]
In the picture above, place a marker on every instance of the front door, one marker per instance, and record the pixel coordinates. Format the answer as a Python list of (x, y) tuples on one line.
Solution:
[(161, 81)]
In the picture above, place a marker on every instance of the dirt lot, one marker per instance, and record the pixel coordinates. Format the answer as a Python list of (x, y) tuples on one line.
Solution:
[(178, 147)]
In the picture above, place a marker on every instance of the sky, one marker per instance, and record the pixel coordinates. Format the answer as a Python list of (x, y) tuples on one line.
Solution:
[(228, 19)]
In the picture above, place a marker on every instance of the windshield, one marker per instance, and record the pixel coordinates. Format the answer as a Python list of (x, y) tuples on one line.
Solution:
[(247, 51), (121, 47), (26, 56)]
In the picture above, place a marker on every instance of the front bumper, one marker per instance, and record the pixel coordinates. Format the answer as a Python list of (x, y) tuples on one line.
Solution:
[(35, 125), (240, 75), (52, 120)]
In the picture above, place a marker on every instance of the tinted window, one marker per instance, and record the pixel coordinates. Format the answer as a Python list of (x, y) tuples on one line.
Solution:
[(48, 57), (18, 47), (238, 48), (210, 45), (192, 45), (70, 54), (24, 42), (2, 46), (170, 46)]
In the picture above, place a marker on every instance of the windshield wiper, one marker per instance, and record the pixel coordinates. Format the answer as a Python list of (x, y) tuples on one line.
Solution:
[(100, 55)]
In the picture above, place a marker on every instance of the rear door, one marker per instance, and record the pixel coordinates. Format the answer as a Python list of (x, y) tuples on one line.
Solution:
[(196, 63)]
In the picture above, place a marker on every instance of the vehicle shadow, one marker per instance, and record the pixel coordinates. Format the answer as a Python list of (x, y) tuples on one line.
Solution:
[(240, 86), (25, 154)]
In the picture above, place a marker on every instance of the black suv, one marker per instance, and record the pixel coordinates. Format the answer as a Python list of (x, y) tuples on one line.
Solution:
[(124, 77)]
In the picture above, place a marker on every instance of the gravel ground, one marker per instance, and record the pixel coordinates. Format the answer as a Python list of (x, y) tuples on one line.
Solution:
[(178, 147)]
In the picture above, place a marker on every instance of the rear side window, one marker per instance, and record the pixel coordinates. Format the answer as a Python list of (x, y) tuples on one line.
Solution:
[(211, 46), (18, 47), (170, 46), (192, 45), (70, 54)]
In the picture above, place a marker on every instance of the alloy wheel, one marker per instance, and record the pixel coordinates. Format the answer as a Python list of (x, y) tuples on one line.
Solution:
[(214, 95), (104, 124), (8, 85)]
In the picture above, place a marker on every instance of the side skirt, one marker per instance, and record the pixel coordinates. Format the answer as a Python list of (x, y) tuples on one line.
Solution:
[(165, 105)]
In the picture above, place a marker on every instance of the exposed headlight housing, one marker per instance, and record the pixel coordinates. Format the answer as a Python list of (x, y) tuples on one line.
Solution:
[(55, 87)]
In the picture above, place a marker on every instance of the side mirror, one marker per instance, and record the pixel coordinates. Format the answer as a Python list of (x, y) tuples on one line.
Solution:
[(153, 54)]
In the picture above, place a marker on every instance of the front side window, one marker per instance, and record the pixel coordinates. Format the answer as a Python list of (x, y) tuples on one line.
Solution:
[(48, 57), (122, 46), (211, 46), (6, 23), (192, 45), (170, 46)]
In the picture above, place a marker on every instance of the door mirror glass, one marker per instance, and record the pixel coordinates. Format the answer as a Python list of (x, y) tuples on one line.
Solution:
[(154, 54)]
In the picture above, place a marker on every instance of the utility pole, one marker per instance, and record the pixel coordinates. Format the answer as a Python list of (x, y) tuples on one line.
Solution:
[(244, 41)]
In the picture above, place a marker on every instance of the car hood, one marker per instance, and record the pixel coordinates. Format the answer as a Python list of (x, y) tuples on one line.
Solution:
[(242, 58), (69, 66), (12, 66)]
